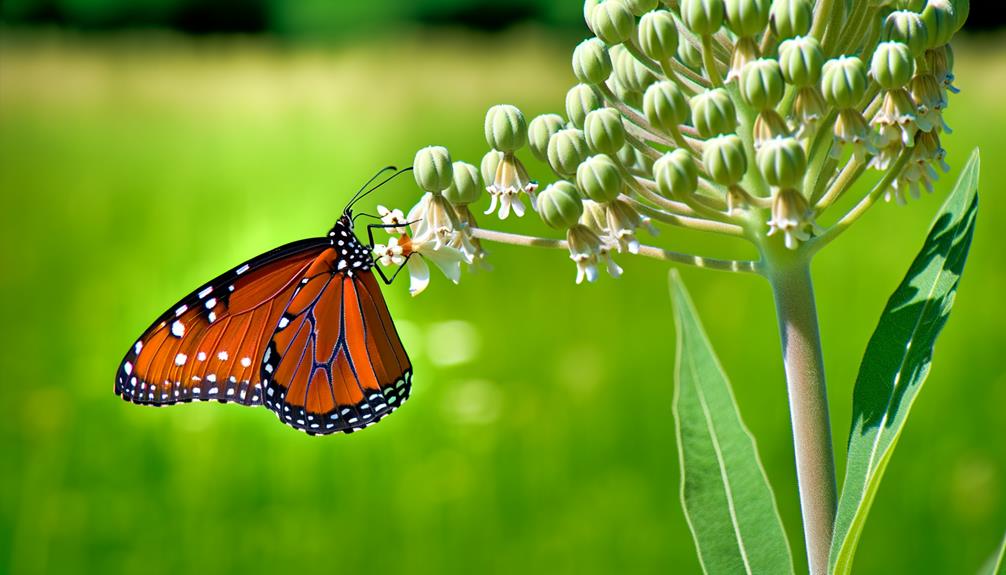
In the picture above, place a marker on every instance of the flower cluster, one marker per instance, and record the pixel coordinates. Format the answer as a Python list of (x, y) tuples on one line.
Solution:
[(743, 117)]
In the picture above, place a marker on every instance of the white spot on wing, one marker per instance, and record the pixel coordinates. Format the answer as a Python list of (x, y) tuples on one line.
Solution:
[(201, 356), (205, 292), (222, 356), (212, 317), (211, 378), (129, 368), (177, 329), (180, 359), (283, 322), (242, 269), (181, 310), (138, 347), (245, 362), (211, 303)]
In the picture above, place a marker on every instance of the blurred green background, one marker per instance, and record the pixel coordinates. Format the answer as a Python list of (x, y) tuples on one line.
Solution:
[(135, 164)]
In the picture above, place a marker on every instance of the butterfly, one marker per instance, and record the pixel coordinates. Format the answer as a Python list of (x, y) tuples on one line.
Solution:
[(302, 329)]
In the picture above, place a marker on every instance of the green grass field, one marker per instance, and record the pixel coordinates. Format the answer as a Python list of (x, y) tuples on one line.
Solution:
[(539, 437)]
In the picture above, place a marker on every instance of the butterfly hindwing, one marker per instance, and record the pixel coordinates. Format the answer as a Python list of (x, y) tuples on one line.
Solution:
[(335, 361)]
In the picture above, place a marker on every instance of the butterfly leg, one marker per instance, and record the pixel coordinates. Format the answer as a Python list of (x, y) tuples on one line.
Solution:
[(385, 278), (370, 237)]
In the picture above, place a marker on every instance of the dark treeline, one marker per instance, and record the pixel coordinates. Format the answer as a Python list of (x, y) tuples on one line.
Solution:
[(321, 18)]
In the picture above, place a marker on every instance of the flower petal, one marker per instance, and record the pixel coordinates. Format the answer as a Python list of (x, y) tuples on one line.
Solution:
[(448, 259), (419, 275)]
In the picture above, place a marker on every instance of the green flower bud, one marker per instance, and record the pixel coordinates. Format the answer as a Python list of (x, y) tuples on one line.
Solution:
[(658, 35), (489, 163), (724, 159), (791, 18), (505, 128), (599, 179), (559, 205), (761, 84), (941, 22), (892, 66), (640, 7), (580, 101), (612, 21), (912, 5), (801, 60), (908, 28), (630, 98), (713, 113), (591, 63), (665, 106), (466, 186), (629, 72), (703, 17), (604, 131), (782, 161), (962, 9), (689, 54), (566, 150), (844, 82), (746, 18), (676, 174), (540, 130), (588, 11), (432, 169), (633, 159)]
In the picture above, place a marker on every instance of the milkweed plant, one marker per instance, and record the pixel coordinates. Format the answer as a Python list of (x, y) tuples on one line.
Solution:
[(749, 119)]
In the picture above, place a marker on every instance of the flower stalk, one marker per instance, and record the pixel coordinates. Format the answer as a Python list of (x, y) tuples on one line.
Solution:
[(796, 310)]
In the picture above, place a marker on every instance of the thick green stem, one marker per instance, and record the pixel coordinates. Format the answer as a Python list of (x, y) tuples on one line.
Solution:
[(808, 402)]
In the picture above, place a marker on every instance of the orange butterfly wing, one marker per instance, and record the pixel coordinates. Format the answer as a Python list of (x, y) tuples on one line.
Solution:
[(210, 345), (335, 362)]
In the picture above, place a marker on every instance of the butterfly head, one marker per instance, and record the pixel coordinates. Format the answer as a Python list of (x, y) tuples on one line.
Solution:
[(343, 224)]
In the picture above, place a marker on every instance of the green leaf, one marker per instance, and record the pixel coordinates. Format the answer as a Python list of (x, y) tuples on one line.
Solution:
[(996, 564), (726, 496), (898, 357)]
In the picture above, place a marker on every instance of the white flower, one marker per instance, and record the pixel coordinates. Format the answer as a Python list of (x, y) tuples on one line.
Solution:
[(920, 172), (604, 254), (393, 218), (465, 241), (510, 181), (390, 253), (851, 129), (433, 219), (622, 220), (792, 215), (445, 257), (587, 249), (896, 121)]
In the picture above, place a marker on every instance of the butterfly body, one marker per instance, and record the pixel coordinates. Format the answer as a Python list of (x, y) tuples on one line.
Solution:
[(303, 330)]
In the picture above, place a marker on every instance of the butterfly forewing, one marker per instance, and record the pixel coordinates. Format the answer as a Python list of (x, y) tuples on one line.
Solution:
[(210, 344)]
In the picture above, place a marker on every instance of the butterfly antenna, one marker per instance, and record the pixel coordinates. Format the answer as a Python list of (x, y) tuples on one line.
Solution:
[(362, 194), (358, 195)]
